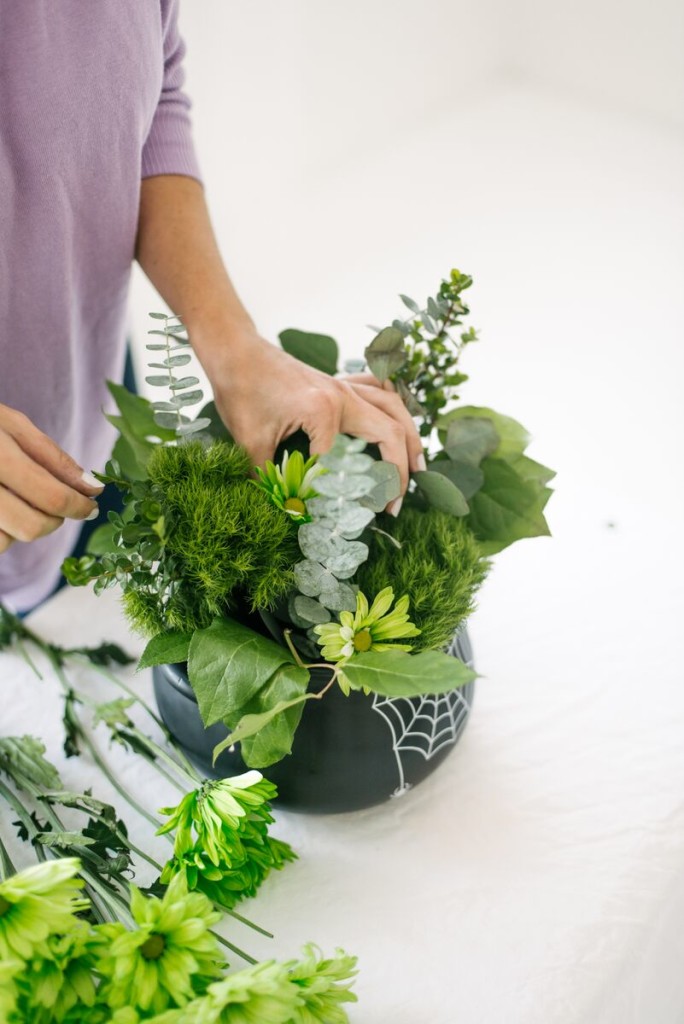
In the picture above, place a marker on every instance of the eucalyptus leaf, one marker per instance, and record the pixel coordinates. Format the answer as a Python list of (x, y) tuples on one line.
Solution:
[(183, 383), (312, 612), (201, 423), (343, 485), (441, 493), (161, 380), (386, 486), (309, 577), (317, 350), (395, 673), (386, 353), (166, 419), (338, 597), (410, 304), (189, 397)]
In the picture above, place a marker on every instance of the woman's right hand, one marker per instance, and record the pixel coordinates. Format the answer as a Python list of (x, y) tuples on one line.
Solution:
[(40, 485)]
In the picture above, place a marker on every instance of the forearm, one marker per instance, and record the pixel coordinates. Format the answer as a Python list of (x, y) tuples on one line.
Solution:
[(177, 250)]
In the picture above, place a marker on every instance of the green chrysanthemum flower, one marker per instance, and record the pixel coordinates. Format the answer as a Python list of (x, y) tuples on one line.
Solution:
[(289, 485), (368, 629), (9, 969), (321, 985), (38, 902), (222, 846), (170, 955), (306, 991), (59, 975)]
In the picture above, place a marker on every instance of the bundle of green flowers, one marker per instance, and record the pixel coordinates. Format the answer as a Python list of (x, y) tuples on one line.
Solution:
[(253, 581), (56, 967)]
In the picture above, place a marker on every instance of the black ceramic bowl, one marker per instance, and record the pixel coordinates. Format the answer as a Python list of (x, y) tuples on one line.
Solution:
[(348, 753)]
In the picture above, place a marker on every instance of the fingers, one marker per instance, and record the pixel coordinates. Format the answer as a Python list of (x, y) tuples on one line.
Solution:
[(37, 487), (42, 450), (5, 541), (323, 419), (20, 521), (370, 379), (364, 419), (391, 404)]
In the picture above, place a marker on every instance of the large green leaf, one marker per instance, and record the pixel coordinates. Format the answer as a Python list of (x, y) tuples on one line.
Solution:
[(169, 648), (265, 727), (507, 507), (514, 437), (136, 425), (400, 674), (441, 492), (468, 478), (317, 350), (228, 664)]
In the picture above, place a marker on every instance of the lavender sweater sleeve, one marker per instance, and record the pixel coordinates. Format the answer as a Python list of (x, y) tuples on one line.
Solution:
[(168, 148), (88, 106)]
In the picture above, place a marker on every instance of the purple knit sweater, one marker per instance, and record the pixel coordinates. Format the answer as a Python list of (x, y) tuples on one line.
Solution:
[(90, 103)]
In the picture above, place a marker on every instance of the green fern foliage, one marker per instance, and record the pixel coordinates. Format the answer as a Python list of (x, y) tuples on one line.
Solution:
[(439, 566), (228, 544)]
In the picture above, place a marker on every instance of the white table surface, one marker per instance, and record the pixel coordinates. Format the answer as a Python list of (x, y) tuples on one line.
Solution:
[(538, 876)]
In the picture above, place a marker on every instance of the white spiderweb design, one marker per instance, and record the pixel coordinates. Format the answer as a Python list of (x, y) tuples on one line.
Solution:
[(424, 725)]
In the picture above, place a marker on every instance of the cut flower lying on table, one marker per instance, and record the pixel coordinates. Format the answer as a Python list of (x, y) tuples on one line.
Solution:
[(254, 581)]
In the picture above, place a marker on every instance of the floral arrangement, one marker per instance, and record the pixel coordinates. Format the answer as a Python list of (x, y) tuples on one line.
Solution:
[(256, 575)]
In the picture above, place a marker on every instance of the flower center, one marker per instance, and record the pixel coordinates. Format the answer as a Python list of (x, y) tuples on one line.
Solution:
[(4, 906), (153, 947), (295, 505), (363, 640)]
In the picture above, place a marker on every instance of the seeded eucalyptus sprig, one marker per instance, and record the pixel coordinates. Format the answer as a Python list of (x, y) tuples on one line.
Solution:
[(184, 391), (420, 354)]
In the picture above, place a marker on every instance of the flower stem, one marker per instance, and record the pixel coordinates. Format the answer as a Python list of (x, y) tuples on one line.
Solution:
[(235, 949), (7, 868), (24, 818)]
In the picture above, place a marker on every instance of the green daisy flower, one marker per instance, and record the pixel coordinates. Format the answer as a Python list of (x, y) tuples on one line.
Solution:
[(289, 485), (172, 952), (38, 902), (368, 629), (59, 975), (222, 846)]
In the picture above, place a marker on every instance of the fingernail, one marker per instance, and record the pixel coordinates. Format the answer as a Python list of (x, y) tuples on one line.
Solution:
[(91, 480), (93, 515), (421, 463), (395, 508)]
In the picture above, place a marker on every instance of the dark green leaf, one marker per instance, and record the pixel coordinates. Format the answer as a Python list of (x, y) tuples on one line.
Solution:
[(467, 478), (228, 664), (506, 508), (513, 436), (441, 493), (168, 648), (470, 439), (317, 350)]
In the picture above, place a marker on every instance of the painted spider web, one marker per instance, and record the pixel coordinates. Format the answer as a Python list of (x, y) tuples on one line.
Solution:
[(424, 725)]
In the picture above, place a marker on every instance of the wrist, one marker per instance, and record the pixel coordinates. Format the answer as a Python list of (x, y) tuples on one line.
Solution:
[(219, 338)]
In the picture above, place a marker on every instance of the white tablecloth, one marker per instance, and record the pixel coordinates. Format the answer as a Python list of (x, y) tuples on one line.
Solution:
[(538, 876)]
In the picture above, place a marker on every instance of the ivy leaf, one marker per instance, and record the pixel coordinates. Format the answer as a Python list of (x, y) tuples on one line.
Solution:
[(386, 353), (265, 727), (513, 436), (317, 350), (441, 493), (400, 674), (470, 439), (507, 507), (169, 648), (228, 664)]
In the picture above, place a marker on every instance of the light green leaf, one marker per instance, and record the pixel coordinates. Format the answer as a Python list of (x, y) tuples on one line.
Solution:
[(312, 612), (136, 425), (467, 478), (514, 437), (441, 493), (228, 663), (170, 648), (101, 540), (386, 353), (64, 839), (387, 486), (401, 674), (21, 757), (317, 350)]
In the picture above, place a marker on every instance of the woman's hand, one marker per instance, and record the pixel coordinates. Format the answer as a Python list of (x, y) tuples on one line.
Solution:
[(263, 395), (40, 485)]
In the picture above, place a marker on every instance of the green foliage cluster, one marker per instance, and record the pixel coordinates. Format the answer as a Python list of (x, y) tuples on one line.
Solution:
[(226, 538), (439, 566)]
